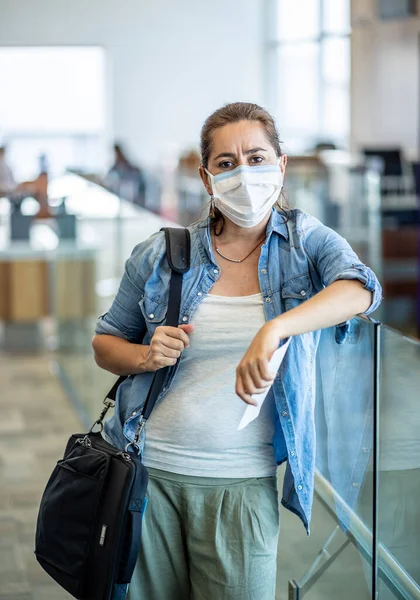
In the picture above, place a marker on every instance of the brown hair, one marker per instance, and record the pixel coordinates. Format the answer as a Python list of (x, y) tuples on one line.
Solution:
[(233, 113)]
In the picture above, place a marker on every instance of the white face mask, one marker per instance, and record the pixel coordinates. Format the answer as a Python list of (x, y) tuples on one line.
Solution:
[(246, 194)]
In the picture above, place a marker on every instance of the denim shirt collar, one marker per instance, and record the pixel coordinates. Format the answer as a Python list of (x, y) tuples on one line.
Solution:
[(277, 223)]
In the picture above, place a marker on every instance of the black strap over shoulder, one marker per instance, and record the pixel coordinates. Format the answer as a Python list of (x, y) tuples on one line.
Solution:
[(172, 318), (178, 250)]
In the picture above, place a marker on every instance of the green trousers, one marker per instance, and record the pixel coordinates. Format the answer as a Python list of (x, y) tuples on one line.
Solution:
[(207, 539)]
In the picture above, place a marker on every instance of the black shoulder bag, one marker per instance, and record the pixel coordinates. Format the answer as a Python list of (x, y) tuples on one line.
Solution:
[(89, 522)]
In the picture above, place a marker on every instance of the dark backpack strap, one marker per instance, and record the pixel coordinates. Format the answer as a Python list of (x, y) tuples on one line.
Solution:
[(133, 529), (172, 317), (178, 250), (178, 255), (112, 394)]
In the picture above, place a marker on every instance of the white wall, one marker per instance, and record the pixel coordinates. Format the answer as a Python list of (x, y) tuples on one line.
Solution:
[(385, 80), (171, 62)]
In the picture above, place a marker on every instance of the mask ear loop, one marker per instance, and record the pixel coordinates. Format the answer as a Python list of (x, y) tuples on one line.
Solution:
[(281, 191), (211, 211)]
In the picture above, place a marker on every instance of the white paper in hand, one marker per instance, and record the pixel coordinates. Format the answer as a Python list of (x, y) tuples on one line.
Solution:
[(252, 412)]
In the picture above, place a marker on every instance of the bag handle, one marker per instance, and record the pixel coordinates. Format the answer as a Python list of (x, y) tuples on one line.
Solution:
[(178, 250)]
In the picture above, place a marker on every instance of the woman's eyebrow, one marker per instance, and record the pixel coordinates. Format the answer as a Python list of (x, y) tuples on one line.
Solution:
[(255, 150), (233, 155), (230, 154)]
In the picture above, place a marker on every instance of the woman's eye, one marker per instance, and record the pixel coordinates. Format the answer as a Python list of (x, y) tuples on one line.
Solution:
[(256, 159), (226, 164)]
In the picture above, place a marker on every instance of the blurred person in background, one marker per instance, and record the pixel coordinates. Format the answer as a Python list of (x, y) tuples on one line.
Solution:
[(16, 192), (191, 194), (125, 179), (260, 274)]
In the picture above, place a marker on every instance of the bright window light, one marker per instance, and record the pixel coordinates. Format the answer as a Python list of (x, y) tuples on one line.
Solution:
[(52, 90), (298, 19), (54, 103), (310, 88), (336, 16)]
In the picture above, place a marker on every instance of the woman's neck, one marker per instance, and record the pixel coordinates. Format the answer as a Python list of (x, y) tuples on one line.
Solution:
[(245, 235)]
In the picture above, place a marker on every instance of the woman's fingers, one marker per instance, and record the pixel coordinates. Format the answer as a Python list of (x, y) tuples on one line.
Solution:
[(250, 379), (253, 378), (160, 348), (171, 338), (253, 373), (167, 345), (264, 369), (245, 386), (163, 361), (244, 395), (258, 380), (176, 333)]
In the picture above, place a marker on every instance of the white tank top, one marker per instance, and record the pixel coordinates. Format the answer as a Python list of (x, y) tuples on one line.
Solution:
[(193, 430)]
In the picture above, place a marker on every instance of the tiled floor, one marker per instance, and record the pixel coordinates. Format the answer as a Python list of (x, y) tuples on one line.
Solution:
[(35, 421)]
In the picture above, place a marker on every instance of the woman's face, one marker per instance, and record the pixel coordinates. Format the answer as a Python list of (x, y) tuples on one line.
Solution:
[(242, 143)]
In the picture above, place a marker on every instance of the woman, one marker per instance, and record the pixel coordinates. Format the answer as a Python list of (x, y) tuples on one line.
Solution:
[(259, 274)]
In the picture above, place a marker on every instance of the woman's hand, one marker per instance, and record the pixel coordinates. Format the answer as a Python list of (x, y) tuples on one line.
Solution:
[(252, 374), (166, 346)]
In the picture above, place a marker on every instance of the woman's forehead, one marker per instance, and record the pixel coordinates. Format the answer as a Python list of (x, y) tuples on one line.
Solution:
[(239, 135)]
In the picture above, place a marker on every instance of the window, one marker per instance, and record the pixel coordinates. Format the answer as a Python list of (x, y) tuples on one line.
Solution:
[(53, 103), (309, 82)]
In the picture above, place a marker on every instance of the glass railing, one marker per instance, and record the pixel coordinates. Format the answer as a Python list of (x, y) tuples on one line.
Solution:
[(365, 540), (111, 227), (398, 493), (335, 561)]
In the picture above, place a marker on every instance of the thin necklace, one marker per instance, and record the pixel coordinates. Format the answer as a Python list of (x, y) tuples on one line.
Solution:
[(233, 259)]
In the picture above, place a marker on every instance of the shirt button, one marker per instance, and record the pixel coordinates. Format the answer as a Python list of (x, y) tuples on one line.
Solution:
[(185, 319), (355, 484), (268, 299), (300, 488), (134, 414), (292, 453), (263, 271), (284, 414), (164, 389), (151, 316), (199, 294), (303, 293), (216, 271)]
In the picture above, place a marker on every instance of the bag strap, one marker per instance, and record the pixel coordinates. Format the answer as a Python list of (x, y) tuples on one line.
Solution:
[(178, 250), (178, 254)]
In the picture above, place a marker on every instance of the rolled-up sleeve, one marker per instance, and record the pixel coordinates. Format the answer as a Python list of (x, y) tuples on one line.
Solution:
[(125, 319), (334, 259)]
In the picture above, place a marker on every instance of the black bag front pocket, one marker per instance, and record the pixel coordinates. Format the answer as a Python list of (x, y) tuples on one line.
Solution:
[(67, 514)]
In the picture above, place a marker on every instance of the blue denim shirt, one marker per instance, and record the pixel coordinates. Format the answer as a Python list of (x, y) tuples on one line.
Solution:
[(300, 256)]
